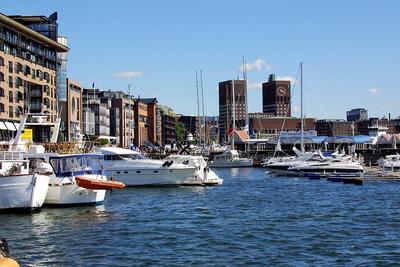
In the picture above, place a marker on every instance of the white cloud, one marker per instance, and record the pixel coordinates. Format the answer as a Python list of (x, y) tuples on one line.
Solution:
[(373, 91), (258, 65), (286, 78), (128, 74)]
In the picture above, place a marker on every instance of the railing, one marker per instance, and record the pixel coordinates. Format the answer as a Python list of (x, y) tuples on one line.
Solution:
[(13, 156)]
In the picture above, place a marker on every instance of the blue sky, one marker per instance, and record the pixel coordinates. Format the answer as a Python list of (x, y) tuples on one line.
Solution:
[(350, 49)]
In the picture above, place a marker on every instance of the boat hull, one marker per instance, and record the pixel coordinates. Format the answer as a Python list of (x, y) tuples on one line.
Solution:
[(67, 192), (23, 193), (151, 177), (232, 164)]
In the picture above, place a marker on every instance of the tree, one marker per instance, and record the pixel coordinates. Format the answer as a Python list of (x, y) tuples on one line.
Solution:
[(180, 131)]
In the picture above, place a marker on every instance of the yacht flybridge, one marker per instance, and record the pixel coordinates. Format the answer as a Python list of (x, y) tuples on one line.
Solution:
[(133, 169)]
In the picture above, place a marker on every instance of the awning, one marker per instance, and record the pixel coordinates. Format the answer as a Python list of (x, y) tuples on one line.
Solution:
[(16, 124), (10, 126), (2, 126)]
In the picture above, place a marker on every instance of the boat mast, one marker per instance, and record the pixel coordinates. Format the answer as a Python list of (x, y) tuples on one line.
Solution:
[(198, 106), (247, 125), (202, 105), (301, 99), (234, 115), (130, 116)]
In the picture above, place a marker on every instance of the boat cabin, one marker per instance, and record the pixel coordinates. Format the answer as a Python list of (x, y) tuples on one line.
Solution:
[(72, 165)]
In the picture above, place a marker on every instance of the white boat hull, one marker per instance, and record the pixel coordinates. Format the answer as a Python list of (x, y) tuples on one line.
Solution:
[(232, 163), (23, 193), (150, 177), (65, 192)]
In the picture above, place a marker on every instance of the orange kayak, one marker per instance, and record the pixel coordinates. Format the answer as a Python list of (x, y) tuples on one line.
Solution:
[(97, 184)]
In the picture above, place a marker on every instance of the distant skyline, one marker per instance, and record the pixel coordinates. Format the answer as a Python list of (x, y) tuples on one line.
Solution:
[(350, 49)]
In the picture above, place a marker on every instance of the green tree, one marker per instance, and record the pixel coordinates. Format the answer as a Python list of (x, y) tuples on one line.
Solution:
[(180, 131)]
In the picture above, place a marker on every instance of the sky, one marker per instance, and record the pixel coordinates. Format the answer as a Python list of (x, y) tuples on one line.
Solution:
[(350, 49)]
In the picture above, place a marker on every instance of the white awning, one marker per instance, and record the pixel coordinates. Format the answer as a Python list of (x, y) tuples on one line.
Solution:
[(16, 124), (10, 126), (2, 126)]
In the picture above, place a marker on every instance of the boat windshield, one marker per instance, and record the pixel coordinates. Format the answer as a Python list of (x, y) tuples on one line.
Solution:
[(76, 165), (124, 157)]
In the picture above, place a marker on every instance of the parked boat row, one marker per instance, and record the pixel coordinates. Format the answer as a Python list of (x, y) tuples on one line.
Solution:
[(31, 177)]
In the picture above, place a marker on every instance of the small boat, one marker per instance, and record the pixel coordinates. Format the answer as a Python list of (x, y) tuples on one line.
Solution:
[(94, 184)]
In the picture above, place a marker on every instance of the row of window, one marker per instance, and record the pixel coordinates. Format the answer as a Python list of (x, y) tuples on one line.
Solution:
[(26, 48), (18, 67)]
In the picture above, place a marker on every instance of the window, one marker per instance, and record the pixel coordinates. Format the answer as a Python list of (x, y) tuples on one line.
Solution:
[(10, 67), (10, 96), (10, 82), (1, 77), (1, 107), (1, 61), (1, 92), (10, 112)]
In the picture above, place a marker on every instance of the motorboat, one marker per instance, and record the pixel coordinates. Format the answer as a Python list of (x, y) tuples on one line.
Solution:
[(203, 175), (134, 169), (328, 166), (23, 186), (390, 162), (64, 189), (230, 159)]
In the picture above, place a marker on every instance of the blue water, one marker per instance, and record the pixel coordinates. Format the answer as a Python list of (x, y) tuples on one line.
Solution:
[(252, 219)]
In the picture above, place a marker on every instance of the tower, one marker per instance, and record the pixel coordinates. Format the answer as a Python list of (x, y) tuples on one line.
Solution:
[(276, 97)]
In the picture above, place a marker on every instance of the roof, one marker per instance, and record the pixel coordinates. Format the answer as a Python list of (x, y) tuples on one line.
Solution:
[(148, 100), (27, 31)]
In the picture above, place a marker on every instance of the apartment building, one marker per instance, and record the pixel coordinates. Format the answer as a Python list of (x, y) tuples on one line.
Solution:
[(28, 65), (72, 111)]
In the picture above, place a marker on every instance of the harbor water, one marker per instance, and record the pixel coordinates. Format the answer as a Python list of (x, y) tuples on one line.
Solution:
[(252, 219)]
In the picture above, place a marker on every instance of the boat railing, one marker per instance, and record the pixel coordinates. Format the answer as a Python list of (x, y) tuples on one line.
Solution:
[(13, 156)]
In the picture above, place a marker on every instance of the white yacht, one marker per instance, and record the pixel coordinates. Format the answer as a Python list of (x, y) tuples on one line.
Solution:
[(328, 167), (23, 187), (390, 162), (64, 188), (203, 174), (133, 169), (230, 159)]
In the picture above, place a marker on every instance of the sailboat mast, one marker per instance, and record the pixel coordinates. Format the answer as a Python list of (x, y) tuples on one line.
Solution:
[(234, 114), (198, 105), (202, 106), (247, 125), (301, 99)]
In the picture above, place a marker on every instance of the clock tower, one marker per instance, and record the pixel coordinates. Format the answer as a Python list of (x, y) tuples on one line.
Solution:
[(276, 97)]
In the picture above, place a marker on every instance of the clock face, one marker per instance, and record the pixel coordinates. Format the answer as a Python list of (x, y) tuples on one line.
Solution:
[(281, 91)]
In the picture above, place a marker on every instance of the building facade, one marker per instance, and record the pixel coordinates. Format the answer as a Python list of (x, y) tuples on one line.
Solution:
[(28, 65), (358, 114), (270, 127), (231, 91), (336, 128), (72, 111), (276, 97)]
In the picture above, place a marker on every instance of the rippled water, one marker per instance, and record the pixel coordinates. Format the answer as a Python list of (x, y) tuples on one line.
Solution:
[(252, 219)]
